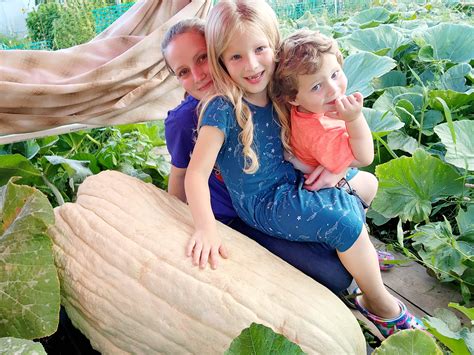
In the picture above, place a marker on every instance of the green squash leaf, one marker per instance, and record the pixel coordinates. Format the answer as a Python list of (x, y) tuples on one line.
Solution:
[(9, 345), (391, 79), (452, 98), (455, 78), (441, 251), (408, 342), (361, 68), (448, 317), (425, 54), (409, 186), (376, 217), (449, 41), (406, 111), (453, 340), (76, 169), (402, 141), (18, 165), (391, 96), (29, 285), (380, 122), (468, 337), (465, 220), (461, 152), (376, 39), (469, 312), (432, 118), (261, 340), (374, 14)]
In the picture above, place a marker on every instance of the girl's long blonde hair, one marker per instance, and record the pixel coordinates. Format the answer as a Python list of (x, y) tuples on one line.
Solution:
[(225, 19)]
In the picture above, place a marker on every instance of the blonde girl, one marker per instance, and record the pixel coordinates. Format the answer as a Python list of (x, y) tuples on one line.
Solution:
[(240, 130)]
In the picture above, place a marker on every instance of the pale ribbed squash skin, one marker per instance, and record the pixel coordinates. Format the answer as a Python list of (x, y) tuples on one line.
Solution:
[(128, 287)]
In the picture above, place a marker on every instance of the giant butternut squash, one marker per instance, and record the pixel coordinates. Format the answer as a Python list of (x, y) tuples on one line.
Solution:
[(127, 285)]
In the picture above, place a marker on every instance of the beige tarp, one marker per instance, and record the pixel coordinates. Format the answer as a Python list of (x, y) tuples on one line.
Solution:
[(118, 77)]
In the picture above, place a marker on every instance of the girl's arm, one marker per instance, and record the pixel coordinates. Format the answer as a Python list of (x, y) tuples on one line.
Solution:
[(361, 141), (349, 109), (176, 183), (205, 244)]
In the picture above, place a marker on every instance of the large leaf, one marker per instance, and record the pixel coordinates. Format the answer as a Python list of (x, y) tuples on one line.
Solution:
[(402, 141), (261, 340), (465, 220), (76, 169), (18, 165), (469, 312), (432, 118), (449, 41), (455, 78), (408, 186), (453, 340), (409, 26), (461, 153), (375, 14), (391, 79), (9, 345), (361, 68), (380, 122), (388, 100), (454, 99), (408, 342), (440, 250), (29, 285), (376, 39)]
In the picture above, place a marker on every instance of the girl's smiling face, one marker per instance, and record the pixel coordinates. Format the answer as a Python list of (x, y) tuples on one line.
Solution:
[(317, 92), (249, 60), (187, 56)]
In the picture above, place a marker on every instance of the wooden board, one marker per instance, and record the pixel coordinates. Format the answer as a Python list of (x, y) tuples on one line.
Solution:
[(412, 284)]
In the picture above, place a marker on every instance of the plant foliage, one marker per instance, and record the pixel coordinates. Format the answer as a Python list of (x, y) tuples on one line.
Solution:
[(261, 340), (29, 284)]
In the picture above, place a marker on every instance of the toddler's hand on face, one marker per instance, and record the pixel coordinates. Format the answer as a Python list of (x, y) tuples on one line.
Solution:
[(348, 108)]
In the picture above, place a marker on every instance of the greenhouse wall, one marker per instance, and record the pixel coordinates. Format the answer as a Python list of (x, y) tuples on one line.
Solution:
[(12, 17)]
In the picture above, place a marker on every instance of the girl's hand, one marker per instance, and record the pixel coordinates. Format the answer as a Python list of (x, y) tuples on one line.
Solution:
[(348, 108), (204, 246), (322, 178)]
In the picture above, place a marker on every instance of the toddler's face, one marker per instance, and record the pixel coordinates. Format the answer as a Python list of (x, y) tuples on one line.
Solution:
[(317, 92), (187, 57), (249, 60)]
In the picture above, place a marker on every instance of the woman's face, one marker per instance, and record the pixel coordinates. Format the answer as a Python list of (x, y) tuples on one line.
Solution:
[(187, 56)]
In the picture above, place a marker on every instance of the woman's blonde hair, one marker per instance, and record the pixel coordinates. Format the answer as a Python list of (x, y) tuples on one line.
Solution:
[(225, 20), (299, 54)]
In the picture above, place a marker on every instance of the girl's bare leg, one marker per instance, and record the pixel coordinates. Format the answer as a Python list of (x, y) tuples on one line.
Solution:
[(366, 185), (362, 263)]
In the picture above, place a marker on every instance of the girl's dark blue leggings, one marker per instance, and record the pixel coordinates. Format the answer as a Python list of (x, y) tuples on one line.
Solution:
[(316, 260)]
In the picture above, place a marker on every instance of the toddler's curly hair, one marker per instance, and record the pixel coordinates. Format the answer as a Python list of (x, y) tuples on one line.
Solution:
[(300, 54)]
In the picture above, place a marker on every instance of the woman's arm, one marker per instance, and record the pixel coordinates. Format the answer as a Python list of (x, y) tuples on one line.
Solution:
[(205, 244), (176, 183)]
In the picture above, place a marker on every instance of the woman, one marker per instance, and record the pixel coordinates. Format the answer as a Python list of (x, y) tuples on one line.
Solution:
[(184, 49)]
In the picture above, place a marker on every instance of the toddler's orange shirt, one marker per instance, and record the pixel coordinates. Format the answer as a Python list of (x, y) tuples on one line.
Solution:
[(320, 140)]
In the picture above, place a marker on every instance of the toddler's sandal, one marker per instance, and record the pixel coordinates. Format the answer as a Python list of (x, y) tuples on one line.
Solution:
[(382, 256), (387, 326)]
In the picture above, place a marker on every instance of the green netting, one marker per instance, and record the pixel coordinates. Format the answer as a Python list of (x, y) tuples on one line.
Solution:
[(31, 46), (105, 16), (294, 9)]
